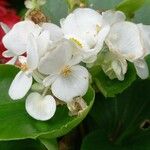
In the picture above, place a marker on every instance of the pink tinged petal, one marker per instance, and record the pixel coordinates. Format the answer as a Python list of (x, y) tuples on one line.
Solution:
[(124, 39), (5, 28), (8, 54), (12, 61), (16, 39), (66, 88), (53, 61), (20, 86), (54, 31), (32, 53), (22, 59), (40, 107), (112, 17), (141, 68)]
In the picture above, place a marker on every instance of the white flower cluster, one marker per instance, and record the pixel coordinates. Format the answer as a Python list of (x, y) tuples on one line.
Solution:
[(53, 55)]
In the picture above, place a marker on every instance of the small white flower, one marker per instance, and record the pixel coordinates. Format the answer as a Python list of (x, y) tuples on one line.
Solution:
[(16, 39), (124, 39), (87, 29), (40, 107), (23, 80), (66, 77)]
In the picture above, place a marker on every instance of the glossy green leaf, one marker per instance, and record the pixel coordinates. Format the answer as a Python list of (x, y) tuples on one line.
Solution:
[(15, 123), (50, 144), (102, 5), (142, 15), (108, 87), (55, 10), (22, 145), (129, 7), (123, 122)]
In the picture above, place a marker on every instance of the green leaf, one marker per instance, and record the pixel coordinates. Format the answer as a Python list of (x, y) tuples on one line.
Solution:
[(142, 15), (50, 144), (55, 10), (102, 5), (22, 145), (99, 140), (108, 87), (129, 7), (16, 124), (123, 122)]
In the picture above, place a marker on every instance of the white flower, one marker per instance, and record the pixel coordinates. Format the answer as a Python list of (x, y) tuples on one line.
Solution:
[(67, 79), (16, 39), (40, 107), (23, 80), (125, 40), (87, 29)]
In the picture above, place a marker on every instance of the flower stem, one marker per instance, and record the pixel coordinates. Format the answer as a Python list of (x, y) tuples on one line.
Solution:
[(45, 91)]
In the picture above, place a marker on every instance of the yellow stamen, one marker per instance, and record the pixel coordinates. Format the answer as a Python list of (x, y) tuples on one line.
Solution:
[(98, 28), (66, 71), (23, 67), (76, 42)]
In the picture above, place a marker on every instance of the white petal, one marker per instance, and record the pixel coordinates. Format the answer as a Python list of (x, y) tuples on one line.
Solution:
[(16, 39), (39, 107), (120, 68), (82, 23), (145, 37), (32, 53), (75, 84), (8, 54), (22, 59), (141, 68), (49, 80), (112, 17), (101, 38), (82, 19), (55, 31), (90, 59), (5, 28), (53, 61), (20, 86), (12, 61), (43, 42), (124, 39)]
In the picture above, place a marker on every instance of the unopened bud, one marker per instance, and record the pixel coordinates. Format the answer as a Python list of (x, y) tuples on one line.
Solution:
[(37, 16)]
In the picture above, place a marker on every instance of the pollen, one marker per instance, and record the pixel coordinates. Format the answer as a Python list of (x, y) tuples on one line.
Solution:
[(98, 28), (66, 71), (76, 42), (23, 67)]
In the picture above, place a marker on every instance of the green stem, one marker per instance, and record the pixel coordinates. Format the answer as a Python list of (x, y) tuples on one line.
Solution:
[(45, 91)]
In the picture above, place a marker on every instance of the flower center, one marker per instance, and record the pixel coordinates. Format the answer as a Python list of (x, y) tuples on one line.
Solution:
[(66, 71), (76, 42), (23, 67)]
